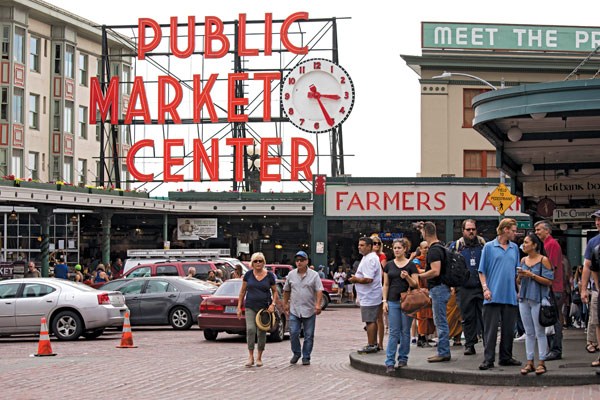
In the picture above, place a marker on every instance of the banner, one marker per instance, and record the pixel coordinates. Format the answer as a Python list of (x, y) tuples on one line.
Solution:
[(196, 228)]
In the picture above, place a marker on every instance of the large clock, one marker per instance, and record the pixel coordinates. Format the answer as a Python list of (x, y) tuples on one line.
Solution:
[(317, 95)]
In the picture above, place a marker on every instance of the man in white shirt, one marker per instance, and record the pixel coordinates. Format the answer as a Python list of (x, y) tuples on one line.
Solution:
[(369, 291)]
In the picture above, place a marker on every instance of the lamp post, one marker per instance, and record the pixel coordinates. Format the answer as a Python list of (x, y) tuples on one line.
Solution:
[(253, 161)]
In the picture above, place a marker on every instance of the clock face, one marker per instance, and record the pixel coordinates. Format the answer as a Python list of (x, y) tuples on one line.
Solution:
[(317, 95)]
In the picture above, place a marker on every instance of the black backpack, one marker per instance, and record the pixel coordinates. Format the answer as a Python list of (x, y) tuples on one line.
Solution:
[(454, 272)]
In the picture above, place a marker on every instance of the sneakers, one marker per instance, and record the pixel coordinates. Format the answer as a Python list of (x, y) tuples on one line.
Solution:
[(438, 359), (413, 340), (306, 361), (368, 349), (520, 338), (390, 369), (401, 364), (294, 359)]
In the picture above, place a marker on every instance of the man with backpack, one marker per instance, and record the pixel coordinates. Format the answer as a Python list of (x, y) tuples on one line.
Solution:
[(500, 259), (438, 291), (470, 295)]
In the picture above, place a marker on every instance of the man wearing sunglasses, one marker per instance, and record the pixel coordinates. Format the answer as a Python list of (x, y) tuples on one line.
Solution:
[(470, 296)]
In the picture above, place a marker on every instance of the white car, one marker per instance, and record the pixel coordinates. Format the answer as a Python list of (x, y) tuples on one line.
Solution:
[(71, 309)]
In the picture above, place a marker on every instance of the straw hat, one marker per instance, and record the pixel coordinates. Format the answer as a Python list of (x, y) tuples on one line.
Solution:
[(265, 320)]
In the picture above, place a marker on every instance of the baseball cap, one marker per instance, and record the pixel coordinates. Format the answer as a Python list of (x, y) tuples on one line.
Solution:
[(596, 214), (321, 266), (78, 267), (301, 254)]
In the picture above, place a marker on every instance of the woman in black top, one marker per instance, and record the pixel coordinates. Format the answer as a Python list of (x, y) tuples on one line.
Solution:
[(398, 275), (258, 284)]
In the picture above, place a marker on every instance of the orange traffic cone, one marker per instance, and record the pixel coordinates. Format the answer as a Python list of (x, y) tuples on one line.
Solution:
[(127, 337), (44, 348)]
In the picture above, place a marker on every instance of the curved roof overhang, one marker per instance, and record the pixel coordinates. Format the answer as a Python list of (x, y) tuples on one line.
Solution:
[(560, 122)]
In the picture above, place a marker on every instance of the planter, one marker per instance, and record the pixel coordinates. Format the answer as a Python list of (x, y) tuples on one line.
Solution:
[(7, 182), (104, 192), (38, 185), (68, 188), (142, 195)]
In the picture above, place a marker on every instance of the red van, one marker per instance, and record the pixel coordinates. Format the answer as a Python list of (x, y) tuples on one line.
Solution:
[(178, 269)]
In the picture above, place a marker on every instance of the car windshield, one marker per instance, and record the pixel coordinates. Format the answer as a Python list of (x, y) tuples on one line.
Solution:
[(198, 284), (229, 288)]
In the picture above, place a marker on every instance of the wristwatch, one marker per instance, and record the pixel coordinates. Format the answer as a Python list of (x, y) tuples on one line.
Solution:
[(384, 300)]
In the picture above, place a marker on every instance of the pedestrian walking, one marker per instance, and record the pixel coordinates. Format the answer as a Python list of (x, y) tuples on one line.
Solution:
[(398, 275), (425, 325), (260, 292), (340, 277), (535, 275), (497, 273), (382, 321), (367, 281), (470, 295), (543, 230), (591, 266), (439, 292), (302, 295)]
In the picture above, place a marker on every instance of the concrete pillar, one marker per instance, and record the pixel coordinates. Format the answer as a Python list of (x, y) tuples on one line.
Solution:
[(449, 234), (45, 214), (319, 223), (106, 224), (165, 227), (574, 251)]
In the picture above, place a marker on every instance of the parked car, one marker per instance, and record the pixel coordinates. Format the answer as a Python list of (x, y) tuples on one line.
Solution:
[(71, 309), (218, 313), (163, 300), (179, 268)]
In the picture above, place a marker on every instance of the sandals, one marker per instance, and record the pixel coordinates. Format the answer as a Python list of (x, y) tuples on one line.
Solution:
[(596, 363), (541, 369), (528, 368), (591, 348)]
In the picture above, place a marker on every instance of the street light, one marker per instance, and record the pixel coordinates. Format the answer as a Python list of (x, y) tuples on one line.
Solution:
[(447, 74)]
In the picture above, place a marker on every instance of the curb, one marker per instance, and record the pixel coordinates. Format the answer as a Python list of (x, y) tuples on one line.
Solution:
[(499, 376)]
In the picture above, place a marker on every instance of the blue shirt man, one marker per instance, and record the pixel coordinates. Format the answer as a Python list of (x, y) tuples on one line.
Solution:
[(61, 271), (499, 265)]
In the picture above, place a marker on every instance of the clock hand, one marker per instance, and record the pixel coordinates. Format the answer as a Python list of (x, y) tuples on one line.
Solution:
[(331, 96), (325, 113)]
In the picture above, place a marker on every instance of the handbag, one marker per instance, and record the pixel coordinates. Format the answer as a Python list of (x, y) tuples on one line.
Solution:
[(548, 313), (414, 300)]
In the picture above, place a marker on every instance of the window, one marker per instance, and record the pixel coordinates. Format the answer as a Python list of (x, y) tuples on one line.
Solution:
[(83, 69), (68, 122), (68, 170), (126, 86), (480, 164), (134, 287), (4, 104), (32, 167), (82, 122), (158, 287), (36, 290), (139, 273), (99, 69), (34, 54), (468, 112), (98, 178), (55, 168), (69, 62), (19, 49), (34, 111), (5, 42), (18, 105), (98, 129), (81, 171), (9, 291), (57, 59), (3, 163), (166, 270), (56, 116), (17, 163)]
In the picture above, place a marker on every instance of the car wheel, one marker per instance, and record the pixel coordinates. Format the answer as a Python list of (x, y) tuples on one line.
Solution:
[(67, 325), (324, 301), (93, 334), (181, 318), (279, 333), (209, 334)]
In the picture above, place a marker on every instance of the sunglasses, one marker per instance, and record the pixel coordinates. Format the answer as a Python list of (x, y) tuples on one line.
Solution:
[(470, 229), (377, 243), (258, 261)]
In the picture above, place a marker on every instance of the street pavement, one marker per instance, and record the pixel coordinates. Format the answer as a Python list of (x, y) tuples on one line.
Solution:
[(172, 364)]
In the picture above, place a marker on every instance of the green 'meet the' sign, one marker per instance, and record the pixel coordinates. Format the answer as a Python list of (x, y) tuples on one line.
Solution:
[(452, 35)]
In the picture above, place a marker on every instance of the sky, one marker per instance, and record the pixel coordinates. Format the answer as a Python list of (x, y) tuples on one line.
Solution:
[(382, 134)]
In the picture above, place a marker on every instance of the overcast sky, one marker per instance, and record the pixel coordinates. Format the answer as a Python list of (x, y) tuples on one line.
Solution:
[(383, 130)]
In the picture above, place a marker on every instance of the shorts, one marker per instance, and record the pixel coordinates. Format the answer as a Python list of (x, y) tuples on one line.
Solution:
[(349, 288), (369, 313), (340, 285), (594, 309)]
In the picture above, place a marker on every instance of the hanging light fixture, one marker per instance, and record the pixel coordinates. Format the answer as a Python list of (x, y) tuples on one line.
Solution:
[(514, 134), (73, 218), (13, 216)]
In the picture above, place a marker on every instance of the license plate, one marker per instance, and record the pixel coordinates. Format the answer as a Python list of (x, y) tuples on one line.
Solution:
[(230, 309)]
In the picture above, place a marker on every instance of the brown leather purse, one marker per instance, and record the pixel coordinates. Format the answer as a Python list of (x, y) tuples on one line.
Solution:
[(414, 299)]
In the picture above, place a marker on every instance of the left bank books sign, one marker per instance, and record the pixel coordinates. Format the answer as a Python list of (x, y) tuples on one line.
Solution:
[(196, 228), (414, 200)]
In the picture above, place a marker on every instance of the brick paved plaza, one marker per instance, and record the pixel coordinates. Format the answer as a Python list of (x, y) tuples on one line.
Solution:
[(182, 365)]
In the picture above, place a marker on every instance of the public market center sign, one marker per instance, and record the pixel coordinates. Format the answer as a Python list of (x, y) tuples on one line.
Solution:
[(452, 35)]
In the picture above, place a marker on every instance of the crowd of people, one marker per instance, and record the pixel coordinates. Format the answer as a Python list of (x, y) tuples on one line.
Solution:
[(507, 288)]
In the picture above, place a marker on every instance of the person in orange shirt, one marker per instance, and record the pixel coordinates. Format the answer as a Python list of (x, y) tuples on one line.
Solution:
[(425, 323)]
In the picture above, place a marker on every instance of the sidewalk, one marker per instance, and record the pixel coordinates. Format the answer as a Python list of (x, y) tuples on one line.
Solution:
[(573, 369)]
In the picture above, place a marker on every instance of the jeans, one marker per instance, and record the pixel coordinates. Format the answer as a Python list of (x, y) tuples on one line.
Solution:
[(439, 300), (530, 315), (555, 341), (252, 330), (492, 312), (296, 324), (399, 324)]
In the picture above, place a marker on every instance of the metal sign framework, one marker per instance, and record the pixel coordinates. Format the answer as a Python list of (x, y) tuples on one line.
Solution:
[(109, 149)]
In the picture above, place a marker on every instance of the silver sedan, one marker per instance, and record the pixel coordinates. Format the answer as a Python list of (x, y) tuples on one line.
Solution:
[(71, 309)]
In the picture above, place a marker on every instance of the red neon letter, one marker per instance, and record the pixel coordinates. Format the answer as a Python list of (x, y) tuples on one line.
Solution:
[(284, 32), (201, 98), (356, 202), (265, 160), (338, 200), (439, 198), (268, 34), (168, 161), (239, 144), (138, 91), (423, 202), (130, 160), (191, 38), (472, 200), (171, 107), (391, 200), (112, 97), (142, 46), (305, 166), (211, 167), (242, 50), (267, 77), (210, 35), (405, 201), (233, 101)]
